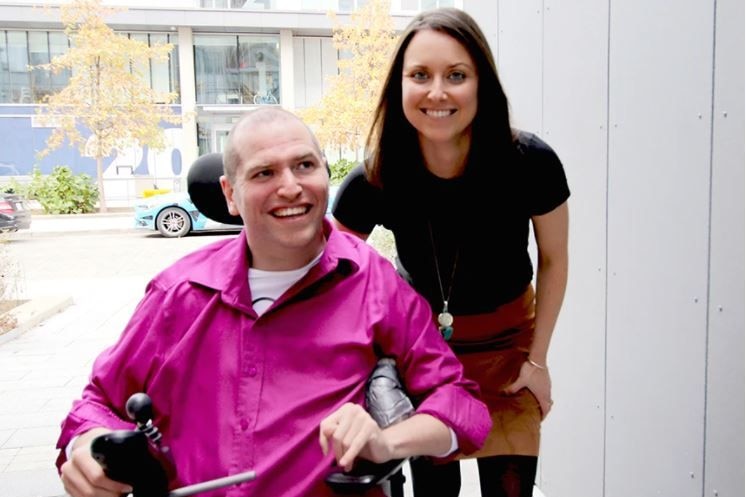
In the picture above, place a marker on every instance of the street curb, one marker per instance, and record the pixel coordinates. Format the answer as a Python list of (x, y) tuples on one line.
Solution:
[(32, 313), (57, 232), (88, 215)]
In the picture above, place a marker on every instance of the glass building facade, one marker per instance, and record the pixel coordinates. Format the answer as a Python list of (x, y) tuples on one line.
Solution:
[(21, 82), (242, 69)]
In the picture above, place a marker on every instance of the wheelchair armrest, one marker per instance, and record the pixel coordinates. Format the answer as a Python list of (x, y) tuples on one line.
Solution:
[(387, 403)]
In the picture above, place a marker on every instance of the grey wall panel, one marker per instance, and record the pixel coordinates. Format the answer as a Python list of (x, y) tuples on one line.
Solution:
[(328, 61), (314, 59), (574, 108), (485, 14), (660, 95), (520, 60), (724, 437), (314, 75), (672, 371)]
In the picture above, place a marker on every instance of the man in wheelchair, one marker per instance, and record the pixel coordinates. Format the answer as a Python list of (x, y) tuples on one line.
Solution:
[(256, 350)]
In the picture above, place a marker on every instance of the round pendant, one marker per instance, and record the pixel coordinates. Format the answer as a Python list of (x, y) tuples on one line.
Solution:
[(446, 332), (445, 319)]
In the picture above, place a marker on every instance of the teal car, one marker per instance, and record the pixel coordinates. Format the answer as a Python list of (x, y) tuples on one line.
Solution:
[(174, 215)]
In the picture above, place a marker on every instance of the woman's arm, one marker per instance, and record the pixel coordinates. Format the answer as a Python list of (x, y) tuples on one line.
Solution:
[(550, 231)]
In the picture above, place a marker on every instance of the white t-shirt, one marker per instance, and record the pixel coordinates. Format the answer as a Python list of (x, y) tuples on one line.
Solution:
[(267, 286)]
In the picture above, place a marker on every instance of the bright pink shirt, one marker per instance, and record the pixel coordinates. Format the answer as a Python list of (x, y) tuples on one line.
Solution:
[(234, 392)]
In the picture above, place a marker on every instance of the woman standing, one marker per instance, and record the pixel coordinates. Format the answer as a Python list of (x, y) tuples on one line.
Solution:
[(458, 188)]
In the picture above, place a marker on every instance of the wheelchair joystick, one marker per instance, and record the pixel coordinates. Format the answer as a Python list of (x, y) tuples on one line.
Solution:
[(139, 408), (139, 458), (136, 457)]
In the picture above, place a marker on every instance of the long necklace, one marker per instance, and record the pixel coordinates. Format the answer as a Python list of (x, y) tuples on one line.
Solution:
[(445, 318)]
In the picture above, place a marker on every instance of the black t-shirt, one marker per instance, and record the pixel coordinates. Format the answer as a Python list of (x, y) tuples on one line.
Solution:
[(480, 225)]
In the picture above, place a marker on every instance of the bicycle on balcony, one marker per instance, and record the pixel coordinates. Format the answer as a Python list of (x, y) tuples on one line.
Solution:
[(266, 98)]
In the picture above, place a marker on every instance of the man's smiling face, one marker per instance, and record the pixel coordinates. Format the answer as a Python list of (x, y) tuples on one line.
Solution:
[(280, 191)]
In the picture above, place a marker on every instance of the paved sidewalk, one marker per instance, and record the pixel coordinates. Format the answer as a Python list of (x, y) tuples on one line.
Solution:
[(42, 371), (43, 368), (114, 221)]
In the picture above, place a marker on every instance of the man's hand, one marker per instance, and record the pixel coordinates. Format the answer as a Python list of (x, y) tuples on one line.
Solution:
[(351, 432), (82, 476)]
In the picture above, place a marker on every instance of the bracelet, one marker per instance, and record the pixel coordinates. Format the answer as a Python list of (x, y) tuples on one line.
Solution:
[(535, 364)]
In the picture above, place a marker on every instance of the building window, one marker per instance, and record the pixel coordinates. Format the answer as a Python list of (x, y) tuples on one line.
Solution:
[(38, 49), (350, 5), (259, 69), (58, 45), (21, 49), (18, 89), (237, 69), (160, 75), (212, 132), (417, 5)]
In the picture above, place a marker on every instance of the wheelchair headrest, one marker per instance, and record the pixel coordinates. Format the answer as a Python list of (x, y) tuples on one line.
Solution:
[(203, 185)]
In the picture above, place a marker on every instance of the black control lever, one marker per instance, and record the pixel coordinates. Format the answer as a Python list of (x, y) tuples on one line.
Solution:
[(125, 457), (387, 403), (139, 458)]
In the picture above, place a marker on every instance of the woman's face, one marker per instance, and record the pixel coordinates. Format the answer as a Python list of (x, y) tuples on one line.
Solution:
[(439, 87)]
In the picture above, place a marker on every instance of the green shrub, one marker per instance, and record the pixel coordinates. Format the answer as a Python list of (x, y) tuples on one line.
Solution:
[(340, 169), (32, 189), (62, 192)]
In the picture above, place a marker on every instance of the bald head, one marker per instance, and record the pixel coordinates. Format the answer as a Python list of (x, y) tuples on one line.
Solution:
[(250, 121)]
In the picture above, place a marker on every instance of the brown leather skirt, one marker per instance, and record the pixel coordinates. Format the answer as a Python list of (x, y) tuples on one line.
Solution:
[(492, 348)]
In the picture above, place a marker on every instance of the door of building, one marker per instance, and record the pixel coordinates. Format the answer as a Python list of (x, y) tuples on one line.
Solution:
[(219, 137)]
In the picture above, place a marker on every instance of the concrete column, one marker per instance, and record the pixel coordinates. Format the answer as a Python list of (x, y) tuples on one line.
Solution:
[(189, 150), (287, 73)]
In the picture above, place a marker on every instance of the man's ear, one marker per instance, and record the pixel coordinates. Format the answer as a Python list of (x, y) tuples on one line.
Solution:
[(227, 188)]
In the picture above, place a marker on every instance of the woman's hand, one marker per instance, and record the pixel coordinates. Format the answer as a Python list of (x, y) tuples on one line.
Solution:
[(537, 380)]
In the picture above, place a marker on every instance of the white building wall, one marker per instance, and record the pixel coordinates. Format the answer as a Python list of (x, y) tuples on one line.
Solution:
[(724, 427), (644, 103), (315, 61), (188, 95)]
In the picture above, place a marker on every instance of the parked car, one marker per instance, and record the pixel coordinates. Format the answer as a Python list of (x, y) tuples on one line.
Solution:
[(15, 206), (174, 215), (8, 224)]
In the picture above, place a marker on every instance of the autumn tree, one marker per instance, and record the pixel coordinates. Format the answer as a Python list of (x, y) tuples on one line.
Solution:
[(108, 104), (343, 115)]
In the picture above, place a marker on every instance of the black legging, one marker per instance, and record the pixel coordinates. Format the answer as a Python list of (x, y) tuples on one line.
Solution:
[(499, 476)]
